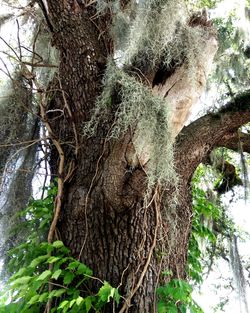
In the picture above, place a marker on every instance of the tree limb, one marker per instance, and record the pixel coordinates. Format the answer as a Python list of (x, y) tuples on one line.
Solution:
[(232, 140), (197, 140)]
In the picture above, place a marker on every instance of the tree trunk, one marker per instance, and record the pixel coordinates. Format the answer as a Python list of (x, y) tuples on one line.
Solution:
[(125, 238), (126, 235), (106, 218)]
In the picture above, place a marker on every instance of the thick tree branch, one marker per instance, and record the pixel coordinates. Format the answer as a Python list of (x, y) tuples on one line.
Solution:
[(197, 140), (233, 140)]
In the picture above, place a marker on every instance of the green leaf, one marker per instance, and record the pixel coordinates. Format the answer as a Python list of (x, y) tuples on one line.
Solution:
[(34, 299), (21, 281), (63, 304), (69, 276), (186, 287), (79, 300), (43, 297), (59, 263), (38, 260), (56, 274), (44, 223), (45, 275), (64, 250), (73, 265), (172, 309), (57, 293), (53, 259), (183, 308), (88, 303), (72, 302), (84, 270), (57, 244), (179, 294), (162, 307), (20, 272), (65, 309), (117, 296), (36, 285), (106, 292)]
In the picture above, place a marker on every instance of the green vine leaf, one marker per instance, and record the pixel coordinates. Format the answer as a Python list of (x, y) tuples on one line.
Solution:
[(69, 276), (63, 304), (34, 299), (53, 259), (79, 300), (57, 244), (106, 292), (43, 297), (162, 307), (88, 303), (45, 275), (84, 270), (57, 293), (38, 260), (56, 274), (21, 281)]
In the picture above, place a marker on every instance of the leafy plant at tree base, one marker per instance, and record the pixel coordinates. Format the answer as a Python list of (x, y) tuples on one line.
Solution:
[(46, 273), (29, 287)]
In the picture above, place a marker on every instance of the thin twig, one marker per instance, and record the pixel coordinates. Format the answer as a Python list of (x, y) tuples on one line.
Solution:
[(22, 143), (58, 285), (18, 40), (9, 46), (15, 154)]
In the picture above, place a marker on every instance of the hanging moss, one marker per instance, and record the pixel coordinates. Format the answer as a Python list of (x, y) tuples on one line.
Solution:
[(12, 114), (138, 109), (157, 33), (153, 29), (18, 128)]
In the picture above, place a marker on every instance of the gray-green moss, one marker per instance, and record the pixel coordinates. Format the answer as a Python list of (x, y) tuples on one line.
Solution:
[(148, 33), (141, 111)]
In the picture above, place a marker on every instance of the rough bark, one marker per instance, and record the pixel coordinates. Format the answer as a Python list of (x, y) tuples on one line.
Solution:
[(236, 141)]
